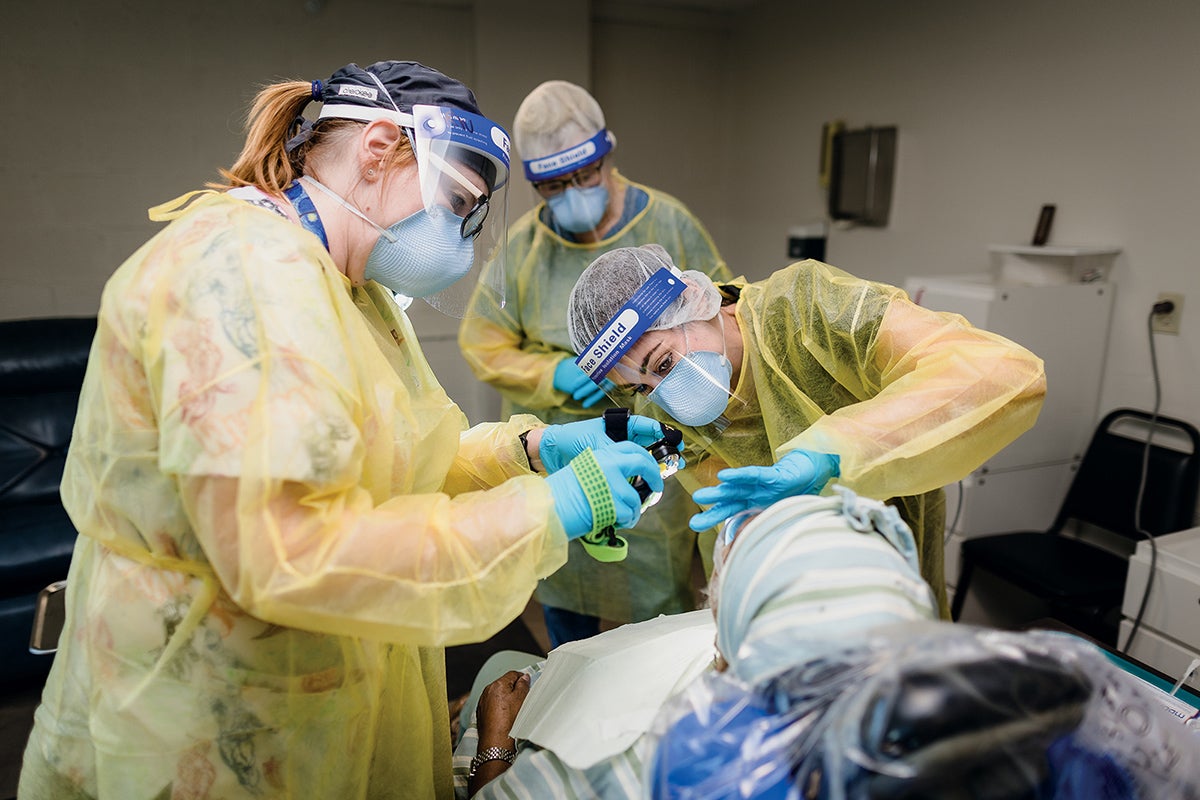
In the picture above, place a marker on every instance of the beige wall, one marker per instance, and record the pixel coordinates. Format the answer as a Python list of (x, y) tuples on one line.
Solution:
[(659, 77), (1001, 107), (112, 107)]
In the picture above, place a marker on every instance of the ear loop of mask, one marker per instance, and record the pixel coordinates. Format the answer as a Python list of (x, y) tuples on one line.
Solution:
[(384, 232), (724, 347)]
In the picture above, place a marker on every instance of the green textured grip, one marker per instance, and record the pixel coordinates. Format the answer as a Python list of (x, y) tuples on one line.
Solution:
[(605, 546), (601, 543), (595, 488)]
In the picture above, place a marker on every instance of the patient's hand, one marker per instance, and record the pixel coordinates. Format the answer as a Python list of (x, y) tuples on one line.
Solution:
[(498, 707)]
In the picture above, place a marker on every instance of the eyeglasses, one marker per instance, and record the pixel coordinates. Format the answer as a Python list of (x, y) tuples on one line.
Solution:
[(584, 177), (472, 221)]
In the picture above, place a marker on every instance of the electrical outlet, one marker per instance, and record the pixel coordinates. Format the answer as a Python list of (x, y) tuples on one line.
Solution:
[(1168, 323)]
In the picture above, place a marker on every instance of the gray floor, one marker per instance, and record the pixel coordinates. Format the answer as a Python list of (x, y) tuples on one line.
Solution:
[(16, 718)]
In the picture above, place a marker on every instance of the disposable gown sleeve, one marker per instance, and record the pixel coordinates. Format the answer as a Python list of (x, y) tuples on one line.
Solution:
[(940, 398), (312, 473), (419, 569), (489, 454)]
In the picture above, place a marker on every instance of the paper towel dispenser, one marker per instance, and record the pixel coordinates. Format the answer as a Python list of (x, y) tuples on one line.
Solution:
[(862, 164)]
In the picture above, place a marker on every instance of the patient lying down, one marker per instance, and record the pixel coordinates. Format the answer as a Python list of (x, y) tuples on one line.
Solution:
[(831, 678)]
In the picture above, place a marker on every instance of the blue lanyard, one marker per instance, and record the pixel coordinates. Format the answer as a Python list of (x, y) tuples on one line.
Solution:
[(309, 217)]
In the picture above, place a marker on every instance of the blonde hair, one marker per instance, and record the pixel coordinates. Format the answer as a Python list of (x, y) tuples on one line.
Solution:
[(275, 116)]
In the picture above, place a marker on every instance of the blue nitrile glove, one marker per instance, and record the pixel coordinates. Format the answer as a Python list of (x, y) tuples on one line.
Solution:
[(569, 378), (620, 462), (561, 443), (798, 472)]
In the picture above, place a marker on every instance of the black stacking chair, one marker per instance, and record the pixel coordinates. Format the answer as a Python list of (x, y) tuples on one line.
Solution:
[(1083, 584)]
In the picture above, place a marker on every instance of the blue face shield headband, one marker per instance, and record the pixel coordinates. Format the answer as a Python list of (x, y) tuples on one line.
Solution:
[(567, 161), (439, 255), (437, 129), (628, 324)]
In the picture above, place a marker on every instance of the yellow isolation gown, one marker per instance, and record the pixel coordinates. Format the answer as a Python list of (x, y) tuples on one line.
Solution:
[(909, 399), (283, 520)]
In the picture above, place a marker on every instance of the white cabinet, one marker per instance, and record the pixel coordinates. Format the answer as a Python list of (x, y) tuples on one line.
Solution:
[(1033, 265), (1169, 636), (1066, 324)]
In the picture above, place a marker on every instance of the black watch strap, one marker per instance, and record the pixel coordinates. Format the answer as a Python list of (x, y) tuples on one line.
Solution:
[(616, 423), (524, 437)]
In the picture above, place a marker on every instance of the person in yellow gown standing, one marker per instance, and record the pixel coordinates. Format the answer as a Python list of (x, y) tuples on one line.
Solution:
[(283, 518), (522, 349)]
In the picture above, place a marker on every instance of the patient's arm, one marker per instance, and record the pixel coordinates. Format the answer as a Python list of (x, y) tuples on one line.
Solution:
[(498, 707)]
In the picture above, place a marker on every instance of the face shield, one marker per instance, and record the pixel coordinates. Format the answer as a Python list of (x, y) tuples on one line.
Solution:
[(685, 378), (572, 184), (443, 254), (462, 165)]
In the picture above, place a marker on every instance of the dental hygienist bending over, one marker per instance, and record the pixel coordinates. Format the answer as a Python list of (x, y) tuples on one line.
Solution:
[(812, 374), (282, 516)]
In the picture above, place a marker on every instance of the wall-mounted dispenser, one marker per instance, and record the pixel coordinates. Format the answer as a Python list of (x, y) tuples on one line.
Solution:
[(858, 167)]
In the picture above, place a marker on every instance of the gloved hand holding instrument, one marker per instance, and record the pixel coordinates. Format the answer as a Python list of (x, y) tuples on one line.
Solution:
[(603, 544), (596, 493), (742, 488), (561, 443)]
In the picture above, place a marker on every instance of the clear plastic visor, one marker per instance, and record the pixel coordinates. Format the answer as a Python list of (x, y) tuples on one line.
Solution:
[(456, 174)]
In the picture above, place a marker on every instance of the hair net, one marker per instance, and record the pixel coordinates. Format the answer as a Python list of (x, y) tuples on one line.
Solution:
[(554, 116), (609, 281), (808, 573), (929, 710)]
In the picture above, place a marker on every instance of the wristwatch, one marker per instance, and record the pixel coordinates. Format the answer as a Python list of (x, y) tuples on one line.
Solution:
[(491, 754), (616, 423)]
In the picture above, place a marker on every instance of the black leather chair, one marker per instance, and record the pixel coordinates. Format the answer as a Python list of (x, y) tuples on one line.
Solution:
[(42, 362), (1083, 584)]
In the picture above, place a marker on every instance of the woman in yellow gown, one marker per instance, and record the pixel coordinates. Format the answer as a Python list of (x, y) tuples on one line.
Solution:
[(283, 518)]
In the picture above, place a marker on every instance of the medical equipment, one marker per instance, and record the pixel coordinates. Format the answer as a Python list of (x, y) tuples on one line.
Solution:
[(927, 710), (605, 545), (1169, 638), (561, 443), (665, 451)]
